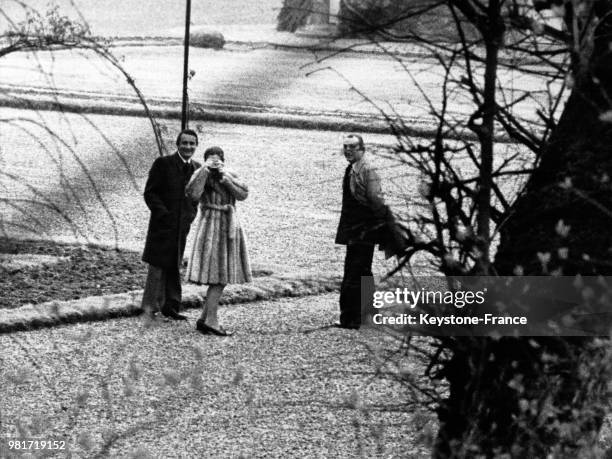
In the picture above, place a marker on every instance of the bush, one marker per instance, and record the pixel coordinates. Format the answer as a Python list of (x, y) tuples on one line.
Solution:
[(207, 40), (363, 17)]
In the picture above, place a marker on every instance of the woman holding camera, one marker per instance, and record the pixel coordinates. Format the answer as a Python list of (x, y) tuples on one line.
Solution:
[(219, 255)]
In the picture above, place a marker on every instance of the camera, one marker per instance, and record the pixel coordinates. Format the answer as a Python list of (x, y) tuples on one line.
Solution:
[(215, 173)]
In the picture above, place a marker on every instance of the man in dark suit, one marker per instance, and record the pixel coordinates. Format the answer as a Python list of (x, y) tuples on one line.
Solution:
[(362, 225), (171, 216)]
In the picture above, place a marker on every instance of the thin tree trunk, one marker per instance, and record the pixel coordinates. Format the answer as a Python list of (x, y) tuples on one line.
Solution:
[(493, 38)]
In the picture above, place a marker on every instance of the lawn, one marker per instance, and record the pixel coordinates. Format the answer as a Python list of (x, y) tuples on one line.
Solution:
[(129, 18), (290, 216)]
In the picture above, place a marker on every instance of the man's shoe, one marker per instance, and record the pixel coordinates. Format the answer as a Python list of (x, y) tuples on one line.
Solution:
[(172, 314), (149, 318), (147, 313), (339, 324)]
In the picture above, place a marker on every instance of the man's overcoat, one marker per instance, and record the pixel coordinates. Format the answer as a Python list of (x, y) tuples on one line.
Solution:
[(171, 211)]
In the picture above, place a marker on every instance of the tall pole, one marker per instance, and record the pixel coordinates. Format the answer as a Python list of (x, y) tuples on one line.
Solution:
[(184, 119)]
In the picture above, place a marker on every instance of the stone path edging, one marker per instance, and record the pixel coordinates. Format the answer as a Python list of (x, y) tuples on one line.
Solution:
[(30, 317)]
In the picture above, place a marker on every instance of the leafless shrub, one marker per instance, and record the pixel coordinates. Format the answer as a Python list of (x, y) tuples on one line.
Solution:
[(48, 33)]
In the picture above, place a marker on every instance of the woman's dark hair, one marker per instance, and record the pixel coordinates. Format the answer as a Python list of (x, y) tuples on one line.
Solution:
[(188, 132), (214, 151)]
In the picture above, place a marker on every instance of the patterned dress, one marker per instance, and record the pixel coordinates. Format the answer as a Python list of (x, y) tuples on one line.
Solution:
[(219, 254)]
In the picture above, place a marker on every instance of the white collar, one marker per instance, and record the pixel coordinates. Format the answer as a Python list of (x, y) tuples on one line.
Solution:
[(185, 161)]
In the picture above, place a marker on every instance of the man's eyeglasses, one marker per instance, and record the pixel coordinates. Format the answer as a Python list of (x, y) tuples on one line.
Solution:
[(352, 147)]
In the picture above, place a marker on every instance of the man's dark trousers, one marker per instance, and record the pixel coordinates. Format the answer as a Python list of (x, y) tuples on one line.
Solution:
[(171, 217), (357, 263), (357, 230), (162, 289)]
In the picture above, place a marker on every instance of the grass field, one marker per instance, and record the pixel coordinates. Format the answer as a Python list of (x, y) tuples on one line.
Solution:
[(290, 216)]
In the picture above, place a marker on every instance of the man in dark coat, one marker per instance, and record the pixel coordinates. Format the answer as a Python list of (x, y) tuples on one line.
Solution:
[(171, 216), (363, 224)]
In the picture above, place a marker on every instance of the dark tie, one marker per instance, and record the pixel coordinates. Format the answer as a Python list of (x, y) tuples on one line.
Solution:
[(186, 168), (347, 178)]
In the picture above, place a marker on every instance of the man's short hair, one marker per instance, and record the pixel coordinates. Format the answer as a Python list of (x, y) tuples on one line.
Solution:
[(188, 132), (354, 137)]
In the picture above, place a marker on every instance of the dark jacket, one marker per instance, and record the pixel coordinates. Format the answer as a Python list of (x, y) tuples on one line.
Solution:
[(358, 223), (362, 224), (171, 211)]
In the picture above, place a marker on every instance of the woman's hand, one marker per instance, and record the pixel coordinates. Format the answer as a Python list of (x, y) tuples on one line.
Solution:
[(223, 176), (225, 179), (212, 163)]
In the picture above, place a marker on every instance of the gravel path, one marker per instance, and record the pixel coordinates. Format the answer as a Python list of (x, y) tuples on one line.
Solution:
[(119, 389)]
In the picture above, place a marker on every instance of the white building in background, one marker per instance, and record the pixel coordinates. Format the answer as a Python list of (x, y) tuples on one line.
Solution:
[(334, 10)]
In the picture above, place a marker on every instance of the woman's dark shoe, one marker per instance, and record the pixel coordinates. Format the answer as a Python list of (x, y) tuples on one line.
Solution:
[(208, 330)]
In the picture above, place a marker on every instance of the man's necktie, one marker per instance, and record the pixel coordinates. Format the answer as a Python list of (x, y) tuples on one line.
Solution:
[(347, 177)]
